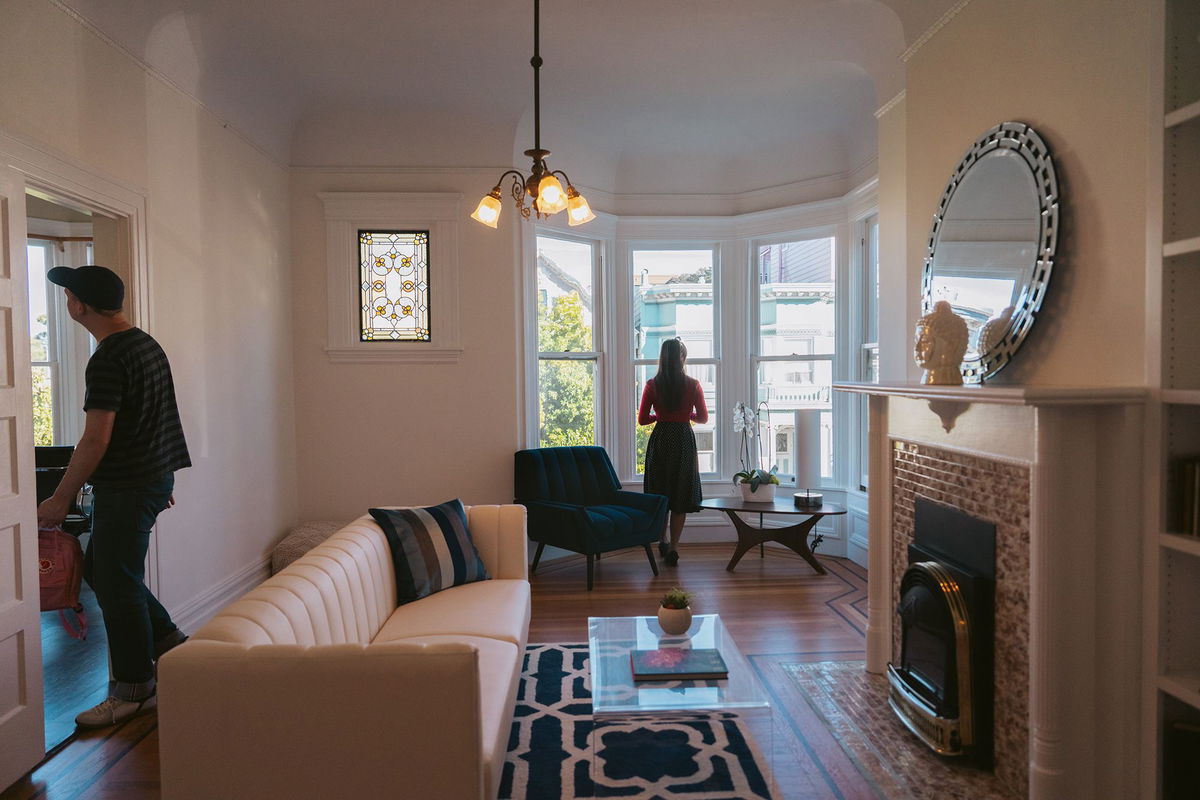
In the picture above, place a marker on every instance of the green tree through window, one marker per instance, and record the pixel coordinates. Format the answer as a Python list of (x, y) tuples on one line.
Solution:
[(566, 396), (43, 392)]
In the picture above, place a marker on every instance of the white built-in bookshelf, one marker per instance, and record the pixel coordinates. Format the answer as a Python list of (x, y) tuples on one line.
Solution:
[(1172, 556)]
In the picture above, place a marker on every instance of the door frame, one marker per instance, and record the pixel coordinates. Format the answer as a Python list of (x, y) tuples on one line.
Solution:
[(61, 176)]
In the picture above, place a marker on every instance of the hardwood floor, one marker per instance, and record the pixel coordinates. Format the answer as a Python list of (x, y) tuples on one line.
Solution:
[(776, 607), (75, 673)]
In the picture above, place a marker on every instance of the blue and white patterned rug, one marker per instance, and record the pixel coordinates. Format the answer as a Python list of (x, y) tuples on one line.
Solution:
[(550, 754)]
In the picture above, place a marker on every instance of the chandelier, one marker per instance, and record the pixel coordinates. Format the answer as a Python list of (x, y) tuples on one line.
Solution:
[(542, 183)]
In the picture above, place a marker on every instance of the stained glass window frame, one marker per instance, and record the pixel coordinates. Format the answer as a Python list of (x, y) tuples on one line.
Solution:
[(370, 281)]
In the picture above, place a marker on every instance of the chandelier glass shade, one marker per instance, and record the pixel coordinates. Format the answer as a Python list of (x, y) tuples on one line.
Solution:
[(540, 192)]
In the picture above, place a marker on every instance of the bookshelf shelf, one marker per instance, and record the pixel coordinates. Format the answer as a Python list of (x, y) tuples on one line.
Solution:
[(1181, 397), (1183, 685), (1180, 542), (1181, 247), (1183, 115)]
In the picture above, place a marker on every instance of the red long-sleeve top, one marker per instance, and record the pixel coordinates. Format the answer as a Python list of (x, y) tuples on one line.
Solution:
[(694, 407)]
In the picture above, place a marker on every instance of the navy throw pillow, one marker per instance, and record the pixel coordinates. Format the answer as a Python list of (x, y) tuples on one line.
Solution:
[(431, 549)]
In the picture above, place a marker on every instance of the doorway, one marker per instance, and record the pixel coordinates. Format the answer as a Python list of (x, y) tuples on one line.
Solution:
[(74, 670)]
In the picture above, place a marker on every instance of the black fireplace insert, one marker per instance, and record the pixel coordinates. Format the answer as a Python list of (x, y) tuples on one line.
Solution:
[(942, 686)]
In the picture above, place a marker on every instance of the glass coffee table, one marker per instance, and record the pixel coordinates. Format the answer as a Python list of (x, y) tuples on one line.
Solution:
[(662, 736)]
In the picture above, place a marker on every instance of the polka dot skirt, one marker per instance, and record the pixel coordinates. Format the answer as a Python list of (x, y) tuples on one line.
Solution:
[(671, 466)]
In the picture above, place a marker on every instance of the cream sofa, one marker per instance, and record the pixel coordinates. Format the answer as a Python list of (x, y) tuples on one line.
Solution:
[(316, 685)]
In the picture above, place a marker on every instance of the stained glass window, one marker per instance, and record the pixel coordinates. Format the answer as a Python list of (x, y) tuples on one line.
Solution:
[(394, 288)]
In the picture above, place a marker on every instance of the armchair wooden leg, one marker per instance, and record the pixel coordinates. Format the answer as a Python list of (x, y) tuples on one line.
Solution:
[(590, 562), (537, 557), (650, 555)]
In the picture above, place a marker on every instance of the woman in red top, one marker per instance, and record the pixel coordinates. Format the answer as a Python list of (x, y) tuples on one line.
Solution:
[(672, 400)]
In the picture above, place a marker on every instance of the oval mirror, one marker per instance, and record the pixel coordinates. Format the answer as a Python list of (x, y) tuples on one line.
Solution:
[(993, 242)]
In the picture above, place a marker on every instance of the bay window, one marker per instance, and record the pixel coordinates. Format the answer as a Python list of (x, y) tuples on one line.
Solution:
[(772, 308)]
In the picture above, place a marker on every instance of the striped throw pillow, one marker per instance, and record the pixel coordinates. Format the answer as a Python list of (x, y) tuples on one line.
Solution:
[(431, 549)]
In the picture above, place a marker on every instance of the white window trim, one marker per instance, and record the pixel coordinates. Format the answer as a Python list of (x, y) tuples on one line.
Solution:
[(346, 213)]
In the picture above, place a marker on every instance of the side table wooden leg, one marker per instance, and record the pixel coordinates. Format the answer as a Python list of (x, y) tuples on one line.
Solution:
[(795, 539), (747, 538)]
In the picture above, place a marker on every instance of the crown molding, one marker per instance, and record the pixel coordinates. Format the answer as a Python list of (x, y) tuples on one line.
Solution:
[(934, 28), (890, 104), (162, 78)]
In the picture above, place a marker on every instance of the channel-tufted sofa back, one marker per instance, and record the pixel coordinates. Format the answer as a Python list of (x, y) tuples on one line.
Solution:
[(344, 589)]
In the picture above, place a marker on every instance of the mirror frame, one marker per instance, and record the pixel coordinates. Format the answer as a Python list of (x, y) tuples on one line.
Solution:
[(1023, 140)]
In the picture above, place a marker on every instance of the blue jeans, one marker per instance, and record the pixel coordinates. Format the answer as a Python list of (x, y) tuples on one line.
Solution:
[(115, 568)]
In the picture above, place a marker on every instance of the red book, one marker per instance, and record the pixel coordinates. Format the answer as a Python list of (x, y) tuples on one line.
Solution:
[(678, 664)]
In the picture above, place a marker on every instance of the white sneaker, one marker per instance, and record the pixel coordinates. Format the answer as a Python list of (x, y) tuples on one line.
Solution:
[(112, 711)]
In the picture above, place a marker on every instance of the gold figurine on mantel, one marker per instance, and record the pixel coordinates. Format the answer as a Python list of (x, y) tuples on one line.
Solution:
[(940, 346)]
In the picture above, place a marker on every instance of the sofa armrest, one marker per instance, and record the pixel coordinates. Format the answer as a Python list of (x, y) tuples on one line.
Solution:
[(649, 503), (499, 534), (333, 721)]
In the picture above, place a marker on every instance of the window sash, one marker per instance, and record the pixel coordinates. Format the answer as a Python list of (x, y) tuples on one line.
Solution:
[(595, 356)]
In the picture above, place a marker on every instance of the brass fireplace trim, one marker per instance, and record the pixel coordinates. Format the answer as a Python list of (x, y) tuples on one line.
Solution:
[(962, 646), (942, 735)]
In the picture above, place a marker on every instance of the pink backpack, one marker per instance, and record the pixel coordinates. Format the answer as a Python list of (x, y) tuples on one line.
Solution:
[(60, 574)]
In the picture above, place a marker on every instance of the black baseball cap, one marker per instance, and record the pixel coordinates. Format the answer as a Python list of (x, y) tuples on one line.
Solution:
[(99, 287)]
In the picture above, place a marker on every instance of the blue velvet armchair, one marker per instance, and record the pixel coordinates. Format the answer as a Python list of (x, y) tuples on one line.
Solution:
[(574, 501)]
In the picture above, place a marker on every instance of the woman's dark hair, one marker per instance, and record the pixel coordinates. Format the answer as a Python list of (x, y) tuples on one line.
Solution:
[(671, 380)]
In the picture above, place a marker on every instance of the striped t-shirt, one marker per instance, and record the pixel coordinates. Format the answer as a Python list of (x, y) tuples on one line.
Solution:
[(129, 374)]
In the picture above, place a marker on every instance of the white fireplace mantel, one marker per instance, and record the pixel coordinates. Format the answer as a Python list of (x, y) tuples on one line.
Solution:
[(1086, 445), (1003, 395)]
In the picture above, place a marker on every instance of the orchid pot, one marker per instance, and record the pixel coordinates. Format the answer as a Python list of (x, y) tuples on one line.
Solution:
[(757, 485), (763, 494)]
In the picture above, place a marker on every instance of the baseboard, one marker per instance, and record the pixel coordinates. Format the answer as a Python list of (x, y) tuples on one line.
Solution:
[(201, 608)]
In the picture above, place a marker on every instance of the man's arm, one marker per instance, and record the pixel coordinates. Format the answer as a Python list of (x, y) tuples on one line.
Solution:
[(97, 432)]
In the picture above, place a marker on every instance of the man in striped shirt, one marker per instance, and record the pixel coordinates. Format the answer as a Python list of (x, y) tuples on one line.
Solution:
[(132, 444)]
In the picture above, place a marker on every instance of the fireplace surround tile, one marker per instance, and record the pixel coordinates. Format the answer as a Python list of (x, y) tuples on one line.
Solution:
[(996, 490)]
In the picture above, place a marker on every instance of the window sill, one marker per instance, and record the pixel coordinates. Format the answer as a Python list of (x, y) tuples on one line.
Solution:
[(390, 355)]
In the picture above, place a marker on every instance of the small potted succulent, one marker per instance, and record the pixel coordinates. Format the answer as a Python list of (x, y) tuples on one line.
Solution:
[(675, 612)]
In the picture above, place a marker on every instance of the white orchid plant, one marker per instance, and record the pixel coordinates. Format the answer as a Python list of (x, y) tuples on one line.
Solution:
[(745, 422)]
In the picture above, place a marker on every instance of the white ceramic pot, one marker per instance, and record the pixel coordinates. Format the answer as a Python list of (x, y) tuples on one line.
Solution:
[(765, 493), (674, 621)]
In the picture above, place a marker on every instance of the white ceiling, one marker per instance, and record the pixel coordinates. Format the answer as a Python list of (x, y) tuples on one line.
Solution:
[(637, 95)]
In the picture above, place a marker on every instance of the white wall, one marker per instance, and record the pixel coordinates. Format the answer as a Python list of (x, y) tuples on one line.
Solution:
[(897, 313), (219, 279), (400, 434), (1077, 72)]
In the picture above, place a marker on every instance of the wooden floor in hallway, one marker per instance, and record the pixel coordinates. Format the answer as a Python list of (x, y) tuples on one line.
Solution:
[(777, 608)]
